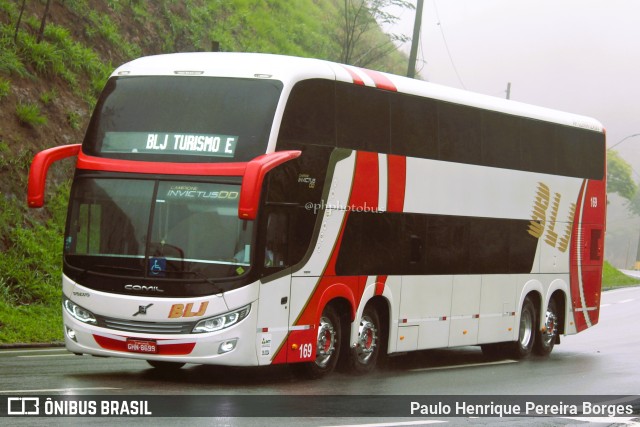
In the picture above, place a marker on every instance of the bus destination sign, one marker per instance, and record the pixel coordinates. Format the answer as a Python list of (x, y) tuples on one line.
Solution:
[(170, 143)]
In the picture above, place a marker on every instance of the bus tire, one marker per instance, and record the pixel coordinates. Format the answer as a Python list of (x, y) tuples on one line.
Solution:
[(547, 334), (521, 348), (327, 347), (165, 366), (364, 355)]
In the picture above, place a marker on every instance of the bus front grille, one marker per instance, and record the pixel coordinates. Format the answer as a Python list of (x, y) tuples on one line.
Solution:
[(146, 327)]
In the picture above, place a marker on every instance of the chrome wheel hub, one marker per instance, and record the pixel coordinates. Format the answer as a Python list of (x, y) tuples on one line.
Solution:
[(326, 342), (550, 328), (367, 340)]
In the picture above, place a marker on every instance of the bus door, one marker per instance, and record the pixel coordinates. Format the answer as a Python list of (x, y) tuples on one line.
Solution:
[(275, 287)]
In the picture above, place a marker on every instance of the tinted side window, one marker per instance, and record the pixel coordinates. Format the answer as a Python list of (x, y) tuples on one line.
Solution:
[(489, 239), (538, 148), (309, 117), (382, 243), (500, 140), (447, 245), (580, 152), (362, 118), (414, 126), (459, 133), (423, 244)]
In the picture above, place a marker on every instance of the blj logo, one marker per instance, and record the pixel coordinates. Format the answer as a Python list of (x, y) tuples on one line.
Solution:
[(23, 406), (157, 267)]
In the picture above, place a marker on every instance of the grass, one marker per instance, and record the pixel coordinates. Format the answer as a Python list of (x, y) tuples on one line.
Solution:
[(5, 88), (30, 271), (612, 278), (29, 114)]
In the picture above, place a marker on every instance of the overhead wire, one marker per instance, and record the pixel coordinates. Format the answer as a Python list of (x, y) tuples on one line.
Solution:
[(446, 45), (423, 62)]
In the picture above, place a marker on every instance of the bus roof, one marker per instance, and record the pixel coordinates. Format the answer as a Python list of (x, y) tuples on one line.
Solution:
[(290, 70)]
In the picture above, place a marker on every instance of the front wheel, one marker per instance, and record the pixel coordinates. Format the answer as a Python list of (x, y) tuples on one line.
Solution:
[(327, 347), (526, 335), (546, 337), (364, 355)]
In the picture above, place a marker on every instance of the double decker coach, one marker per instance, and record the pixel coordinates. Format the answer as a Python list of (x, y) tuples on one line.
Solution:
[(251, 209)]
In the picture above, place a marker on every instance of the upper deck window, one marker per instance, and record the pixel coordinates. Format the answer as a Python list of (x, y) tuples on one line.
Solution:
[(183, 119)]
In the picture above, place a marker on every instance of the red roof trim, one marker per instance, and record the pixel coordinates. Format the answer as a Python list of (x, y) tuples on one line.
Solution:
[(117, 165)]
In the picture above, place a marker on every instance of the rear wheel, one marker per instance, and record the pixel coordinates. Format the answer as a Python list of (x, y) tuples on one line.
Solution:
[(546, 337), (526, 335), (327, 347), (364, 356)]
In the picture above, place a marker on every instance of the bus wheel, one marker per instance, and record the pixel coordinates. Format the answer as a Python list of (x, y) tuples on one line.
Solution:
[(327, 349), (526, 337), (546, 337), (364, 355), (165, 366)]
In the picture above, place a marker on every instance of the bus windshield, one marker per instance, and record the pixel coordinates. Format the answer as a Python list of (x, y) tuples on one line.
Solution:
[(183, 119), (146, 228)]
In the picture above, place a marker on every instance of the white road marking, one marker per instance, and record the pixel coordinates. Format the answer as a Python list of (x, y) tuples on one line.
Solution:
[(608, 421), (468, 365), (59, 390), (32, 350), (46, 355), (625, 301), (393, 424)]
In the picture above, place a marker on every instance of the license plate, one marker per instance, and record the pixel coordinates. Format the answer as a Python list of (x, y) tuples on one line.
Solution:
[(142, 346)]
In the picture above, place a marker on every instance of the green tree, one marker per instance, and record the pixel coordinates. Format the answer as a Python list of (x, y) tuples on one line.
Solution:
[(619, 179), (359, 17)]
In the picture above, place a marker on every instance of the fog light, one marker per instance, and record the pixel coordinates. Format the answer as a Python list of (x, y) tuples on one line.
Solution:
[(227, 346), (71, 334)]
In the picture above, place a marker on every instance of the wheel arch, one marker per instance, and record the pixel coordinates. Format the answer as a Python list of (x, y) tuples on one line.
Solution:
[(342, 297), (383, 306), (534, 290)]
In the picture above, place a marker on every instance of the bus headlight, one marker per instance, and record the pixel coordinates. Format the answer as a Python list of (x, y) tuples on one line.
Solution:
[(79, 313), (223, 321)]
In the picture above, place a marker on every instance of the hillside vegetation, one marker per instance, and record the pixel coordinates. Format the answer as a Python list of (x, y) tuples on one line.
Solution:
[(49, 87)]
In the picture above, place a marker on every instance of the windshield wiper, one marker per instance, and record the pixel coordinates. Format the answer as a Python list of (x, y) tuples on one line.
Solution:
[(206, 279), (118, 268)]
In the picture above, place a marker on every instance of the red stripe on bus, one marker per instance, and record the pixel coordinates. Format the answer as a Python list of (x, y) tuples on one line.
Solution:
[(163, 349), (574, 276), (397, 182), (381, 81), (380, 284), (133, 166), (356, 78), (364, 192)]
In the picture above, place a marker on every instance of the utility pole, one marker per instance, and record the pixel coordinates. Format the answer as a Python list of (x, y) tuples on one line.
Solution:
[(509, 90), (411, 71)]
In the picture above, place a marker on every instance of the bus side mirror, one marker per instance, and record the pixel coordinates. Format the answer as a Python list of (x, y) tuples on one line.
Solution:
[(253, 178), (39, 168)]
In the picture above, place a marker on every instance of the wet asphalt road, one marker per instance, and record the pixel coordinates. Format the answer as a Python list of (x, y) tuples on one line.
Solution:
[(601, 361)]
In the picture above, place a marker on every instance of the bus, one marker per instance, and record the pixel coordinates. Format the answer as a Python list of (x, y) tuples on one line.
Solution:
[(251, 209)]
